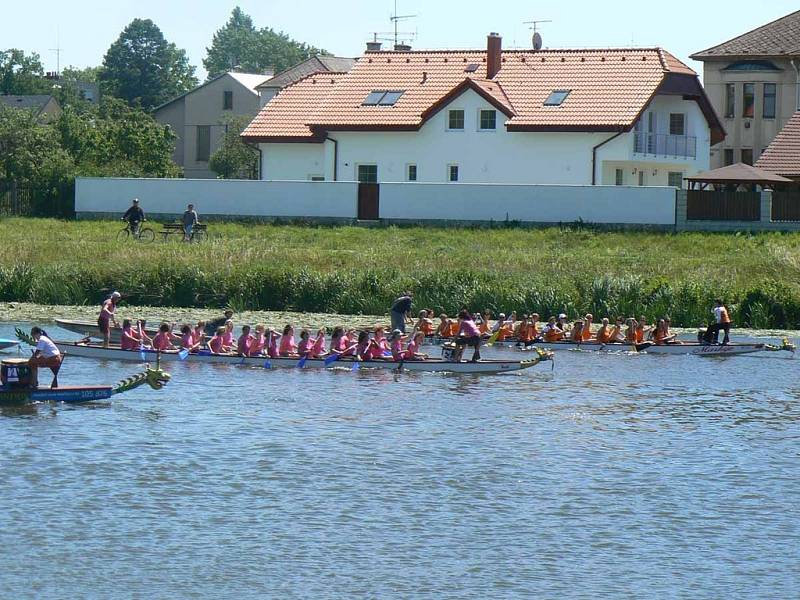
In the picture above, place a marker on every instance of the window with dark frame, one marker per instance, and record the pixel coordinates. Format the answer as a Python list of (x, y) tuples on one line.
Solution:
[(455, 119), (452, 173), (488, 120), (411, 173), (748, 100), (675, 179), (368, 173), (677, 124), (227, 100), (556, 97), (730, 100), (203, 143), (728, 156), (747, 156), (619, 177), (770, 93)]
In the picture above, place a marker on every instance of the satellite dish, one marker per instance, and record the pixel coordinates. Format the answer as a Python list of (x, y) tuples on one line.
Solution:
[(537, 40)]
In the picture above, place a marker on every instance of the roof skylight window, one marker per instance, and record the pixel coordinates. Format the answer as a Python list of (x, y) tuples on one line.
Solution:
[(556, 97), (471, 68), (382, 98)]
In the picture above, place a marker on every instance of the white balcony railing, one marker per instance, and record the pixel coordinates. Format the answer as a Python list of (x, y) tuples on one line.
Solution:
[(665, 145)]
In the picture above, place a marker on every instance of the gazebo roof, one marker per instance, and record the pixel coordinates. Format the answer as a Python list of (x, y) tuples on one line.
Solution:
[(739, 173)]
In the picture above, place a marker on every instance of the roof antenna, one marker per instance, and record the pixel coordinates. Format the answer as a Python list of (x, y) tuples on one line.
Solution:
[(395, 19), (57, 50), (537, 37)]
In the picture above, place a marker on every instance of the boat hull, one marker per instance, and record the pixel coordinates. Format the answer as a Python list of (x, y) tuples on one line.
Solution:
[(6, 344), (430, 365), (68, 394)]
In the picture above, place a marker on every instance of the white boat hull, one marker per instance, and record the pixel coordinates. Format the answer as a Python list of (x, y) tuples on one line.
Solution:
[(430, 365)]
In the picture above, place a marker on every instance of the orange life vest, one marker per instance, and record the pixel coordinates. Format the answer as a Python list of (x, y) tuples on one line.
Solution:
[(603, 335), (723, 315), (551, 335), (586, 334), (639, 335), (426, 327), (453, 330)]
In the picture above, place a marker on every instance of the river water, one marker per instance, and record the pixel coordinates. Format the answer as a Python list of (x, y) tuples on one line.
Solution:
[(612, 476)]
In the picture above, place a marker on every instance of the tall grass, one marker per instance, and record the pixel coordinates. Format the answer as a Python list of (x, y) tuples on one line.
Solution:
[(353, 270)]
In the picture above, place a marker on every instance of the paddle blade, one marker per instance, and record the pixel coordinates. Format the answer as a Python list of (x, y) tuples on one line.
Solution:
[(355, 366), (267, 364), (141, 354), (493, 338), (302, 362), (183, 354), (332, 359)]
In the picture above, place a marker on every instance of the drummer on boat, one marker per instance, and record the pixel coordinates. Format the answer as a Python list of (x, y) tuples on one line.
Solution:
[(45, 355)]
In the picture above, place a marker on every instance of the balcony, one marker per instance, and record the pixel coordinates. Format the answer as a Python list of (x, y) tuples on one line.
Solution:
[(664, 145)]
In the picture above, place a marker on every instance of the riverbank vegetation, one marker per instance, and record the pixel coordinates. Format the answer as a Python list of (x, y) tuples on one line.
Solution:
[(353, 270)]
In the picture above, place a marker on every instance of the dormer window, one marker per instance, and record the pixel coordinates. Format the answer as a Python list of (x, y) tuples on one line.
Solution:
[(382, 98), (556, 97)]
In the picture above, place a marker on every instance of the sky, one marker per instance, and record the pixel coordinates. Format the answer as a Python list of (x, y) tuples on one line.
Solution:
[(85, 29)]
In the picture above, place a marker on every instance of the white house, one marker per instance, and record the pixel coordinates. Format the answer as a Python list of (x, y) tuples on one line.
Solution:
[(604, 116)]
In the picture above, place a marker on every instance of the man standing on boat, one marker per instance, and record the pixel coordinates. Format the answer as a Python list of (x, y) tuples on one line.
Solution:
[(401, 311), (134, 216), (723, 322), (213, 324), (108, 317)]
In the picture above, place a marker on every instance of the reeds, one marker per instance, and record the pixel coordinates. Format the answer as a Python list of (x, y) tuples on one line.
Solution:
[(352, 270)]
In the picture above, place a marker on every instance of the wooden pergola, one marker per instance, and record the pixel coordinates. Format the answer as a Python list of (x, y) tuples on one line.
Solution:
[(737, 175)]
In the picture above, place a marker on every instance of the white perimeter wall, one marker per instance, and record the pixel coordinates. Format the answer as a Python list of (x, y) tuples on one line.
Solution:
[(290, 199), (530, 203)]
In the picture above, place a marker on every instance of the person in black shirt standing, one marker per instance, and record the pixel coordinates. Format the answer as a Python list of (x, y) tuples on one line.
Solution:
[(401, 311), (134, 216)]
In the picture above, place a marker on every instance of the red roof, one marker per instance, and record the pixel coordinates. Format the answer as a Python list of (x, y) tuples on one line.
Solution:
[(783, 154), (608, 88)]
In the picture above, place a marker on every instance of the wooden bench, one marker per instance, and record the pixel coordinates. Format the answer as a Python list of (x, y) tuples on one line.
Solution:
[(198, 233)]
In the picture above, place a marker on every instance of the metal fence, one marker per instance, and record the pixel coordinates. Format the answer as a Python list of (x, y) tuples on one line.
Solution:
[(786, 206), (662, 144), (704, 205), (27, 200)]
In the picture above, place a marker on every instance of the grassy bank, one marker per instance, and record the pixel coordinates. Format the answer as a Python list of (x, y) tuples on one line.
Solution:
[(353, 270)]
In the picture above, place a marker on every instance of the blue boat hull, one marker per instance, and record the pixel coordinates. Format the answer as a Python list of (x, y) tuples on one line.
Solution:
[(69, 394)]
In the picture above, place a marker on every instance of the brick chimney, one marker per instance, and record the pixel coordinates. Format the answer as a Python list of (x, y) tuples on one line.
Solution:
[(494, 50), (374, 46)]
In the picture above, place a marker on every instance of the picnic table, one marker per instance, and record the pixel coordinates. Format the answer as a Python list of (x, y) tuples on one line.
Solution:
[(198, 232)]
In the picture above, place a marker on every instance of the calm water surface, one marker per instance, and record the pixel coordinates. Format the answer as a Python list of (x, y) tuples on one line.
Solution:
[(614, 476)]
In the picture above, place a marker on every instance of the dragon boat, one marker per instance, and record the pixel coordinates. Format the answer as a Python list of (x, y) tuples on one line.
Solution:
[(89, 329), (448, 364), (16, 385), (6, 344)]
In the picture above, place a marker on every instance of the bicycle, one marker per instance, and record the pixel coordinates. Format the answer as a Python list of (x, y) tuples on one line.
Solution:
[(141, 234)]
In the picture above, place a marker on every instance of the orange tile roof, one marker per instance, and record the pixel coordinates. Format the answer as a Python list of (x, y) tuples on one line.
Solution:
[(782, 156), (609, 89)]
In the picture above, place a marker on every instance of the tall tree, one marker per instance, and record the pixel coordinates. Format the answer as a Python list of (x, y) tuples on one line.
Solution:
[(30, 151), (234, 159), (239, 44), (142, 67), (21, 74)]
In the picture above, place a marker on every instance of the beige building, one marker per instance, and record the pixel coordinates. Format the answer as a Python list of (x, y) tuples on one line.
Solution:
[(753, 83), (199, 118)]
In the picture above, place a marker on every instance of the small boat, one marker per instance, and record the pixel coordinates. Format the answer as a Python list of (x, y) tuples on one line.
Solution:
[(435, 365), (16, 386), (90, 329), (6, 344)]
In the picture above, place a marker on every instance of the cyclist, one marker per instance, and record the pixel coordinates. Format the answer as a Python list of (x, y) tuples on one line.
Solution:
[(134, 216)]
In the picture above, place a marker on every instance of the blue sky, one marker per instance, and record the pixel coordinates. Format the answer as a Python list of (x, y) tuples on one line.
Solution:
[(86, 28)]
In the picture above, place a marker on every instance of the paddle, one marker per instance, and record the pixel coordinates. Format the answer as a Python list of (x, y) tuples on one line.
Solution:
[(302, 362), (183, 354), (332, 359), (493, 338)]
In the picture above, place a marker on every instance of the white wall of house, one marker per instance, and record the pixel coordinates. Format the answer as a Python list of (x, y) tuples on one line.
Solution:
[(528, 203), (495, 156), (284, 199)]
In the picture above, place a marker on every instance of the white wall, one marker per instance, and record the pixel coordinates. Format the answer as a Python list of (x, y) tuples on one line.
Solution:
[(496, 156), (529, 203), (289, 199)]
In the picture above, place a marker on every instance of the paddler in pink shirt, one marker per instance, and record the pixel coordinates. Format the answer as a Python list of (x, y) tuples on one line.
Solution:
[(244, 342), (272, 343), (259, 341), (412, 351), (318, 349), (396, 344), (288, 346), (306, 343), (187, 339), (227, 337), (217, 344), (380, 347), (163, 339)]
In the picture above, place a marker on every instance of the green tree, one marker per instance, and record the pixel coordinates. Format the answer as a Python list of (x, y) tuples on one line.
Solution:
[(21, 74), (239, 44), (141, 67), (30, 151), (234, 159), (114, 139)]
